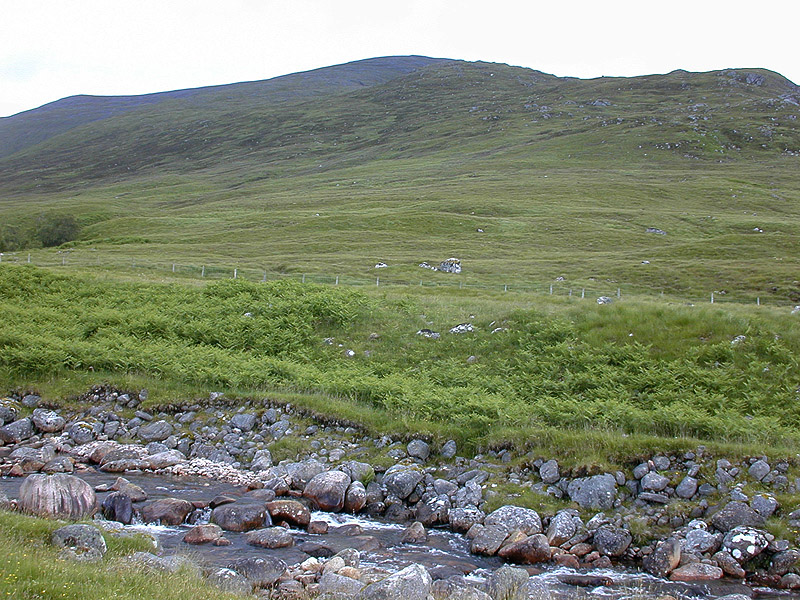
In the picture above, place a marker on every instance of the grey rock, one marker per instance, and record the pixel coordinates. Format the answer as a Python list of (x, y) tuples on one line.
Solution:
[(155, 431), (687, 488), (744, 543), (549, 472), (664, 559), (81, 433), (764, 505), (455, 589), (167, 511), (489, 540), (612, 541), (507, 583), (461, 519), (449, 449), (244, 421), (359, 471), (60, 496), (48, 421), (230, 581), (243, 515), (261, 571), (511, 517), (327, 490), (271, 537), (400, 480), (262, 460), (654, 482), (162, 460), (300, 473), (8, 412), (118, 507), (700, 541), (355, 498), (758, 470), (782, 562), (412, 583), (418, 449), (598, 492), (562, 527), (338, 585), (736, 514), (17, 431), (80, 539), (414, 534), (31, 400), (729, 564)]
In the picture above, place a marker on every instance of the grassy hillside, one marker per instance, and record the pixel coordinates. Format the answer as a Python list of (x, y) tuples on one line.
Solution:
[(563, 176)]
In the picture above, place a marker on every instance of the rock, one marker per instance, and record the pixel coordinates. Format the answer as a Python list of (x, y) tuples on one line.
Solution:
[(155, 431), (744, 543), (118, 507), (230, 581), (526, 520), (654, 482), (687, 487), (59, 496), (60, 464), (759, 469), (506, 582), (327, 490), (790, 581), (549, 472), (81, 433), (47, 421), (586, 580), (449, 449), (270, 537), (418, 449), (339, 586), (489, 540), (80, 540), (8, 411), (562, 528), (414, 534), (203, 534), (531, 550), (597, 492), (291, 511), (604, 300), (427, 333), (262, 460), (612, 541), (400, 480), (16, 432), (455, 589), (359, 471), (764, 505), (300, 473), (412, 583), (355, 498), (462, 328), (700, 541), (262, 572), (736, 514), (451, 265), (133, 491), (664, 559), (783, 562), (242, 515), (168, 564), (729, 565), (244, 421), (167, 511), (32, 459), (696, 572), (162, 460)]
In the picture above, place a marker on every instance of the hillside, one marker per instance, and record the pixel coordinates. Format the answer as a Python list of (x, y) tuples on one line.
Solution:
[(404, 159)]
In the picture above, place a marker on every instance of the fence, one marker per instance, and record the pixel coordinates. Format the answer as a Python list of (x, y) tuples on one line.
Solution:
[(93, 260)]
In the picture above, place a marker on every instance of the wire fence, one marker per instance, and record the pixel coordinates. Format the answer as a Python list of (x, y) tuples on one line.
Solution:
[(594, 290)]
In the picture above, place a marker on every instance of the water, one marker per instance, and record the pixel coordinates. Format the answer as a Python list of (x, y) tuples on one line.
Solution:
[(380, 546)]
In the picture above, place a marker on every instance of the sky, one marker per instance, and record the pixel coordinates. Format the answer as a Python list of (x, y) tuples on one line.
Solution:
[(50, 49)]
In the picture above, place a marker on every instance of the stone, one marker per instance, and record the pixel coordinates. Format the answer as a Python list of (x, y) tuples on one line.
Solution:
[(133, 491), (700, 541), (359, 471), (400, 480), (270, 537), (511, 517), (230, 581), (59, 496), (506, 582), (414, 534), (300, 473), (654, 482), (262, 460), (418, 449), (782, 562), (355, 499), (17, 431), (744, 543), (60, 464), (450, 265), (597, 492), (118, 507), (167, 511), (729, 565), (455, 589), (562, 527), (412, 583), (80, 539), (764, 505), (696, 572), (687, 488), (790, 581), (81, 433), (262, 571), (48, 421), (489, 540), (449, 449), (155, 431), (327, 490), (549, 472), (162, 460), (242, 515), (339, 586), (664, 559), (612, 541), (736, 514), (244, 421), (759, 469), (531, 550), (290, 511), (461, 519), (203, 534)]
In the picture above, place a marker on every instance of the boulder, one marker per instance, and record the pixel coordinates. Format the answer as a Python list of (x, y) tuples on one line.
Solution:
[(262, 460), (549, 472), (81, 433), (203, 534), (736, 514), (290, 511), (60, 464), (612, 541), (359, 471), (300, 473), (155, 431), (782, 562), (48, 421), (400, 480), (327, 490), (744, 543), (117, 506), (59, 496), (166, 511), (461, 519), (687, 487), (262, 572), (700, 541), (531, 550), (133, 491), (412, 583), (664, 559), (418, 449), (82, 541), (242, 515), (355, 498), (759, 469), (562, 527), (230, 581), (244, 421), (17, 431), (270, 537), (654, 482), (511, 517), (696, 572), (414, 534), (449, 449), (506, 583), (597, 492), (165, 459), (729, 565), (488, 540)]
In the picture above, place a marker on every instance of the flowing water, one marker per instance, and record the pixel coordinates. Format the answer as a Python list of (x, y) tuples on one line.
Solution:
[(379, 543)]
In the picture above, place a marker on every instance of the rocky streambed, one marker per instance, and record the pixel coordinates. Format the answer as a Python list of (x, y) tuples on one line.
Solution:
[(348, 512)]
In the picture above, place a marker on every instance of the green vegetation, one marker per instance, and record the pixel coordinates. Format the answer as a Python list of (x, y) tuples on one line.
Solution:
[(32, 570), (601, 372)]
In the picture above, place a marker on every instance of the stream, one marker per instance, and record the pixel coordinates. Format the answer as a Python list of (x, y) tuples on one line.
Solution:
[(445, 553)]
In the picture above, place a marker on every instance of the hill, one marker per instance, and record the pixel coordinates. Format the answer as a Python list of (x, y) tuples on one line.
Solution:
[(405, 159)]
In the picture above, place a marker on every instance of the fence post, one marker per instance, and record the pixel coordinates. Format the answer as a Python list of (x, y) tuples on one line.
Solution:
[(460, 284), (265, 276), (63, 261), (377, 281), (505, 287), (619, 293), (551, 289), (758, 301), (337, 280), (304, 278), (29, 258), (570, 292), (583, 293), (235, 272), (203, 271), (712, 297)]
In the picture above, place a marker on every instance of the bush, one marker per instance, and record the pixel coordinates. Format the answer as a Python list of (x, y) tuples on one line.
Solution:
[(54, 230)]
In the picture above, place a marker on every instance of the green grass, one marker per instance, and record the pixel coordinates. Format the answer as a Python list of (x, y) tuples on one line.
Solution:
[(30, 568)]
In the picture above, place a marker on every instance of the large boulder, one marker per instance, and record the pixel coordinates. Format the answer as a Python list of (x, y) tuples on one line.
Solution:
[(244, 421), (506, 583), (83, 542), (400, 480), (208, 533), (230, 581), (338, 586), (242, 515), (744, 543), (488, 540), (664, 559), (562, 527), (612, 541), (81, 433), (118, 507), (167, 511), (511, 517), (736, 514), (291, 511), (16, 432), (60, 496), (696, 572), (531, 550), (162, 460), (327, 490), (355, 498), (597, 492), (300, 473), (412, 583), (155, 431), (48, 421), (270, 537), (262, 571)]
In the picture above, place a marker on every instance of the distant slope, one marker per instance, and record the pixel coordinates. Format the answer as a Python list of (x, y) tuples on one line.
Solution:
[(32, 127)]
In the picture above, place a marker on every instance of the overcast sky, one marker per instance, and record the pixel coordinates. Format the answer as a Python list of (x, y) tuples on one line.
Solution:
[(50, 49)]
